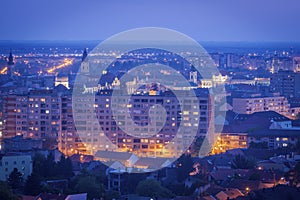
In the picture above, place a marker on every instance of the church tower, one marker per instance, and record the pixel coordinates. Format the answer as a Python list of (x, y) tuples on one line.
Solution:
[(84, 67), (11, 65)]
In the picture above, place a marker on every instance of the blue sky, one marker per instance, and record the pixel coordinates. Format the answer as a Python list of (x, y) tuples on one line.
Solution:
[(203, 20)]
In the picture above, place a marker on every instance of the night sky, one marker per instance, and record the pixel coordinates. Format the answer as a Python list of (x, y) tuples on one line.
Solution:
[(203, 20)]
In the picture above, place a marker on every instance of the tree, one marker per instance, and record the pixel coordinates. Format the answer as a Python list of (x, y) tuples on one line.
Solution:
[(241, 162), (88, 184), (297, 146), (15, 179), (197, 146), (131, 180), (112, 195), (184, 167), (64, 168), (39, 167), (152, 188), (297, 170), (5, 192), (50, 165), (33, 185), (254, 177)]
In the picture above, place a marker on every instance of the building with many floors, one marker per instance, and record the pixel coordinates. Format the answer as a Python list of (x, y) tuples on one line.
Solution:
[(287, 83), (48, 115), (88, 141), (250, 105), (33, 115)]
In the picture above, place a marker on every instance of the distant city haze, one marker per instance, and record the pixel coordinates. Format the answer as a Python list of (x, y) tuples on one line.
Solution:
[(203, 20)]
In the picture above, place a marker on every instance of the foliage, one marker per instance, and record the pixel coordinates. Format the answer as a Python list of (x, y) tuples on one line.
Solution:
[(131, 181), (197, 146), (297, 170), (39, 166), (47, 168), (33, 185), (241, 162), (64, 167), (184, 167), (254, 177), (112, 195), (88, 184), (15, 179), (180, 189), (6, 192), (152, 188), (297, 146)]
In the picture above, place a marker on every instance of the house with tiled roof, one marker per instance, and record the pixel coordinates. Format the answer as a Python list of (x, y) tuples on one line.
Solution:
[(268, 128)]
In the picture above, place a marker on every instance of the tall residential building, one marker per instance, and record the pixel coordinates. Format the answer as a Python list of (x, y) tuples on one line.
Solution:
[(138, 107), (47, 115), (9, 116), (251, 105), (34, 115), (275, 64), (287, 83), (69, 141)]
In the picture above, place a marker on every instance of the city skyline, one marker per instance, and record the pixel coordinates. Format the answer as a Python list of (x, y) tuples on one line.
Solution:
[(161, 99)]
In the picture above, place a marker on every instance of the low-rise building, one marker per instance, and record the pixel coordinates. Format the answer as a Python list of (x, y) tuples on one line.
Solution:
[(20, 144), (8, 162), (274, 138)]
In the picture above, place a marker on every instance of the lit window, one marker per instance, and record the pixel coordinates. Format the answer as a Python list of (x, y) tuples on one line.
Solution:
[(185, 112)]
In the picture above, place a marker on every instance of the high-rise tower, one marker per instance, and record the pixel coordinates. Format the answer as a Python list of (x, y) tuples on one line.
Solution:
[(275, 64)]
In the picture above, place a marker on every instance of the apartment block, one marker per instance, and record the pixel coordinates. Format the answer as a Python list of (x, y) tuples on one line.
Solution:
[(34, 115), (109, 125), (287, 83), (251, 105)]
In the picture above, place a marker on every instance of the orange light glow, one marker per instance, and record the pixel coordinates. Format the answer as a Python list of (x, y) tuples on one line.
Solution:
[(67, 62), (3, 71)]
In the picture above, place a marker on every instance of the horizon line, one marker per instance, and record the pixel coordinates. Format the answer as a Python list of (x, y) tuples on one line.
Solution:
[(99, 40)]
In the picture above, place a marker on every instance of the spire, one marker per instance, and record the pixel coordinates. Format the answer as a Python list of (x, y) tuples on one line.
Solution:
[(10, 59), (84, 55)]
